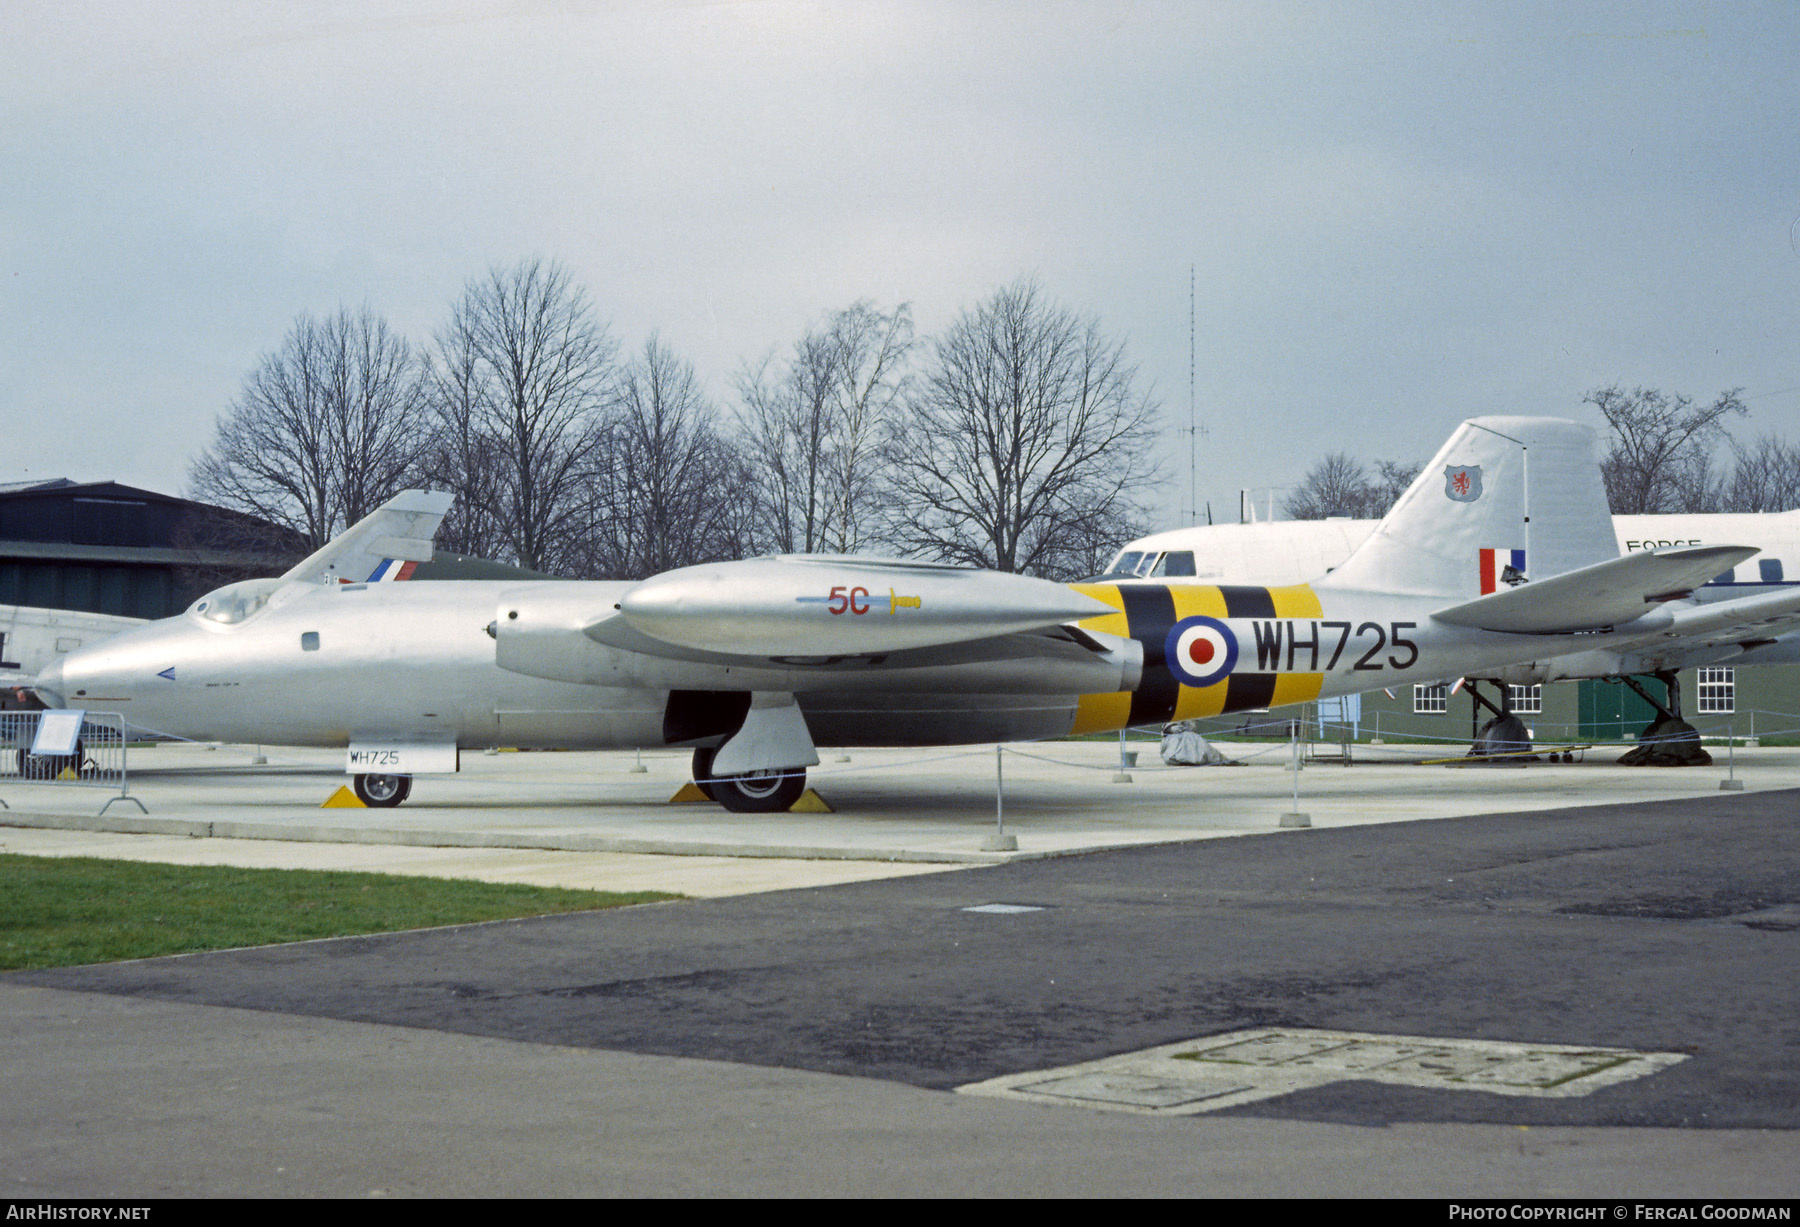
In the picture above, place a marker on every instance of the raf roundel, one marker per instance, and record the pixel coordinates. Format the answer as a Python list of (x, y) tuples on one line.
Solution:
[(1200, 651)]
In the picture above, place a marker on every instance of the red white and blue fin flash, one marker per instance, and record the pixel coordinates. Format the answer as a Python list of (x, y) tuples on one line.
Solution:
[(391, 569), (1501, 567)]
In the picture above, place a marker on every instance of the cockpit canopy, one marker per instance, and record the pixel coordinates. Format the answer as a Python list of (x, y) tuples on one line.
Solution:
[(1150, 564), (234, 602)]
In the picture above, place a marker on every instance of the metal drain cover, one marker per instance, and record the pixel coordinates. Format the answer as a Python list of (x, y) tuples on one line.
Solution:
[(1222, 1071)]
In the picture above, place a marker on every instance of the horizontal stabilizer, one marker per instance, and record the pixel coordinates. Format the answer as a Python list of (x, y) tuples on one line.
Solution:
[(1611, 593)]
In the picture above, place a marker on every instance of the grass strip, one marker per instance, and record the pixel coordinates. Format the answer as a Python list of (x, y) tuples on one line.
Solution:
[(63, 911)]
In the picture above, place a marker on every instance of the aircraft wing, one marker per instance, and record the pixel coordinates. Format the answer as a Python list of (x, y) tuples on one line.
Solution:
[(1616, 592), (830, 605), (1044, 643), (384, 545), (817, 622)]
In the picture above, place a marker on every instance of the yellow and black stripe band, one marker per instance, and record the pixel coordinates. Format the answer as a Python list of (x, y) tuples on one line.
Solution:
[(1149, 612)]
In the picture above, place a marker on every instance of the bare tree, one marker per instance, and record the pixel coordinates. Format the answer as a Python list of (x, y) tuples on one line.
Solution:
[(1661, 454), (814, 426), (521, 375), (1335, 486), (224, 546), (1390, 481), (1026, 443), (787, 429), (667, 490), (1341, 485), (326, 428), (1765, 476), (461, 455), (870, 352)]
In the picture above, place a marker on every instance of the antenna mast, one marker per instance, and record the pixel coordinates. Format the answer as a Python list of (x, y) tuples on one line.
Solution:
[(1193, 422)]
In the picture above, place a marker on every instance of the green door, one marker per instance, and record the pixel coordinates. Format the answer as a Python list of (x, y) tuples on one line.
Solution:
[(1613, 711)]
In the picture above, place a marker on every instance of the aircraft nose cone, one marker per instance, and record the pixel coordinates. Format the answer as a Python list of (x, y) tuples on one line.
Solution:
[(49, 684)]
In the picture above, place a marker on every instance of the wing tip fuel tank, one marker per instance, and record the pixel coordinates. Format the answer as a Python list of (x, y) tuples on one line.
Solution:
[(797, 605)]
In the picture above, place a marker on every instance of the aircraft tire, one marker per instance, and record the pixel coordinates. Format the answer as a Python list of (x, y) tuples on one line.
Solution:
[(381, 791), (760, 792), (703, 757)]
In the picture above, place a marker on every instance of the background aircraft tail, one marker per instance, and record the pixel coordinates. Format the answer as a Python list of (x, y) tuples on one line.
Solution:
[(383, 545), (1507, 498)]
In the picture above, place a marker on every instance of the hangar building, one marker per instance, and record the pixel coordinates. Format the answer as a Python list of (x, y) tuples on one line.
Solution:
[(101, 547)]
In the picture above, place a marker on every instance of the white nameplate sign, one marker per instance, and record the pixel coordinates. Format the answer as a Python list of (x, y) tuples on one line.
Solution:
[(58, 731), (400, 758)]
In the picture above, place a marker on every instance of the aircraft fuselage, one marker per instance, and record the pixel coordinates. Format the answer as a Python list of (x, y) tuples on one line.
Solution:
[(496, 663)]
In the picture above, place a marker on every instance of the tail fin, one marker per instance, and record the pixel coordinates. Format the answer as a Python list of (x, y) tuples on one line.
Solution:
[(382, 545), (1503, 491)]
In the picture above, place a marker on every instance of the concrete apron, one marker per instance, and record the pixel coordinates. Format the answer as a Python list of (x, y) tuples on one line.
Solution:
[(525, 816)]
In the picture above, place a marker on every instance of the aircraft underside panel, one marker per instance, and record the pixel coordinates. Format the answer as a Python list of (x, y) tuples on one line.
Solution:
[(630, 726), (924, 720), (687, 718), (625, 719)]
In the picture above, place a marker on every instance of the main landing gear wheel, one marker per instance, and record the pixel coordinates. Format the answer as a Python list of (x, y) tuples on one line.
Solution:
[(381, 791), (759, 792), (702, 772)]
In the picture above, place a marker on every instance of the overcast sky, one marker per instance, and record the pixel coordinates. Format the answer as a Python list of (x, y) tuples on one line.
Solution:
[(1397, 215)]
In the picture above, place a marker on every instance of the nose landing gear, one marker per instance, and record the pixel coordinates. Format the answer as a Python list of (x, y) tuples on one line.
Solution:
[(381, 791)]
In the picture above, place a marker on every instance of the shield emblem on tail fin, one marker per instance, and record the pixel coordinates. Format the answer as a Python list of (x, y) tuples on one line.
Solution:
[(1462, 483)]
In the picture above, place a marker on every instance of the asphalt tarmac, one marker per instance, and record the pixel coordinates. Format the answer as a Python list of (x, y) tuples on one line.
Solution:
[(805, 1041)]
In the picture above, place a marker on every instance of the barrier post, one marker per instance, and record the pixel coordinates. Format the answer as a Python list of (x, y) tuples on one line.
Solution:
[(1294, 818), (1000, 841), (1731, 783)]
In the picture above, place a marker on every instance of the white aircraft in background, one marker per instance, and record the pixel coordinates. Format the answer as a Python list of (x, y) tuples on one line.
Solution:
[(32, 638), (1294, 551), (755, 663)]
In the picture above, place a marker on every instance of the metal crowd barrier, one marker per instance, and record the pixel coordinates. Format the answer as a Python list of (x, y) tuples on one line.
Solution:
[(97, 761)]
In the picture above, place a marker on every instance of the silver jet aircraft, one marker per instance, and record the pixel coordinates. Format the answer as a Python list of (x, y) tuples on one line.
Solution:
[(753, 664)]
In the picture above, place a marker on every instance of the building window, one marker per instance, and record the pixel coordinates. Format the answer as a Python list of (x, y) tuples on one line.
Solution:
[(1718, 691), (1526, 700), (1432, 700)]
